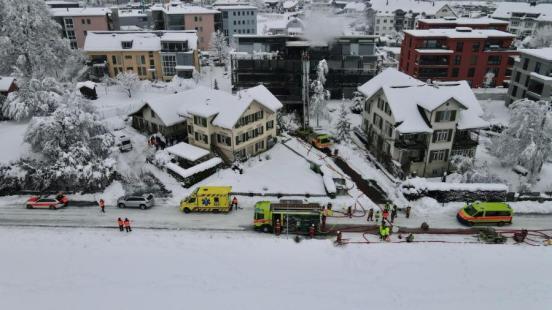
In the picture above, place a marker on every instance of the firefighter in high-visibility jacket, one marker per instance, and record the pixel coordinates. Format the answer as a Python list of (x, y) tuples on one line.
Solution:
[(278, 227), (121, 224)]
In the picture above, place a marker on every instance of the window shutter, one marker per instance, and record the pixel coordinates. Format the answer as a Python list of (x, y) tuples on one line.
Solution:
[(452, 115), (446, 155), (434, 137), (431, 156), (449, 137)]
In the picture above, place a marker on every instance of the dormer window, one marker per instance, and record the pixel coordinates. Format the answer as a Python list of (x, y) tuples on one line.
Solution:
[(126, 45)]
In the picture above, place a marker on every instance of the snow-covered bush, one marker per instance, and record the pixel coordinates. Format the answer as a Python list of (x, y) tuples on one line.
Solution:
[(144, 183), (161, 158), (178, 84), (528, 139), (542, 38), (466, 170)]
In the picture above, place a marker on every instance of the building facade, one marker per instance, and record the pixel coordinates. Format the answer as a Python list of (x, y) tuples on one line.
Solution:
[(152, 55), (531, 75), (238, 19), (414, 128), (282, 63), (186, 17), (481, 57), (524, 18), (77, 22), (126, 18)]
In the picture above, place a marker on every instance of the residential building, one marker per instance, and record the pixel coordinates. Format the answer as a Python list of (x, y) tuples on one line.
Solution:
[(153, 55), (458, 54), (7, 85), (414, 128), (177, 16), (238, 19), (531, 75), (282, 63), (233, 126), (77, 22), (128, 18), (397, 15), (453, 22), (525, 18)]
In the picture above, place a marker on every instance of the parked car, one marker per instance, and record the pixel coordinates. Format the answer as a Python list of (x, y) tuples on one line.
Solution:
[(46, 202), (143, 202), (124, 144)]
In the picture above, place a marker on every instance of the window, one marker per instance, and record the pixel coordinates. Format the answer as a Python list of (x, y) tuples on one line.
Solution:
[(82, 21), (269, 125), (459, 46), (378, 121), (195, 19), (169, 63), (525, 63), (88, 21), (473, 60), (200, 121), (442, 136), (518, 75), (259, 146), (457, 59), (445, 116), (381, 104), (142, 71), (71, 35), (222, 139), (128, 56), (116, 60), (388, 129), (494, 60), (471, 72), (514, 91), (455, 72), (475, 47), (537, 67), (68, 22), (126, 44), (439, 155)]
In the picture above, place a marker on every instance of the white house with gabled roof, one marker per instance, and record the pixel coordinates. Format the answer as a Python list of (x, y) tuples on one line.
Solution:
[(415, 127), (234, 126)]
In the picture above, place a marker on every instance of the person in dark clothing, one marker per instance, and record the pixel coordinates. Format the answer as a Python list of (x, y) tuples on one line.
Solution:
[(393, 214), (126, 224), (102, 205), (408, 212), (121, 224), (370, 215)]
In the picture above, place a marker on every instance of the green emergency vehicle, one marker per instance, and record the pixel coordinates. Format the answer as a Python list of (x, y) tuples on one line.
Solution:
[(294, 215)]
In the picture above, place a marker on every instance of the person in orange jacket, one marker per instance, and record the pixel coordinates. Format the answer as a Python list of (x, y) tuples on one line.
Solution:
[(312, 230), (126, 224), (278, 228), (235, 203), (102, 205), (121, 224)]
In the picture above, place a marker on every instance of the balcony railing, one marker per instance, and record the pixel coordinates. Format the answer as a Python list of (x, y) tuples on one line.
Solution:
[(465, 140)]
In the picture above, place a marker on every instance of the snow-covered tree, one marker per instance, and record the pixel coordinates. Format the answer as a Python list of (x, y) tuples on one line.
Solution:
[(541, 38), (36, 97), (488, 80), (528, 139), (219, 47), (466, 170), (343, 126), (317, 105), (128, 82), (30, 41)]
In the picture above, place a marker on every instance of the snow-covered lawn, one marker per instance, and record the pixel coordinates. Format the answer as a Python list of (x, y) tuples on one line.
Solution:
[(11, 140), (284, 172), (155, 269), (495, 112)]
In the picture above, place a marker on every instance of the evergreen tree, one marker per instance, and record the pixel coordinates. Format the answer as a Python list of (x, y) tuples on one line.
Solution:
[(343, 126)]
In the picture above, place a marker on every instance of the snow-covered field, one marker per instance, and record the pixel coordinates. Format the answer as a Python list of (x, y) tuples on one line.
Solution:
[(11, 140), (156, 269)]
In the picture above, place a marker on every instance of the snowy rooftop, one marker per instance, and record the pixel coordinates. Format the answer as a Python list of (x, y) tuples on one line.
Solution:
[(505, 10), (235, 7), (187, 9), (206, 102), (464, 21), (406, 95), (460, 32), (5, 83), (88, 11), (187, 151), (288, 4), (390, 6), (185, 173), (544, 53), (101, 41), (355, 6)]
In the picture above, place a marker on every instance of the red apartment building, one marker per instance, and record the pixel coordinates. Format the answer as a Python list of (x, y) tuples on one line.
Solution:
[(474, 23), (460, 53)]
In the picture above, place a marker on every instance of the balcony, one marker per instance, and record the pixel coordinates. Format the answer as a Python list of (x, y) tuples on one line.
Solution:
[(432, 73), (433, 60), (465, 139), (411, 142)]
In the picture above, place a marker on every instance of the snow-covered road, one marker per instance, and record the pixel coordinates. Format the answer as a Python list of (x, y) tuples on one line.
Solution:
[(105, 269)]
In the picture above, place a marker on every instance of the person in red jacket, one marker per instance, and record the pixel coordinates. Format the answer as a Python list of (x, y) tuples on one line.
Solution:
[(312, 230), (121, 224), (126, 224), (278, 228), (235, 203), (102, 205)]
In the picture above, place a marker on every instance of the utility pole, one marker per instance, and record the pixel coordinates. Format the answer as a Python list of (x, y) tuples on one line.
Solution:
[(306, 84)]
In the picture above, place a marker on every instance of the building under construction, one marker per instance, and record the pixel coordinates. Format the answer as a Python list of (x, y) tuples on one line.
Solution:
[(285, 64)]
